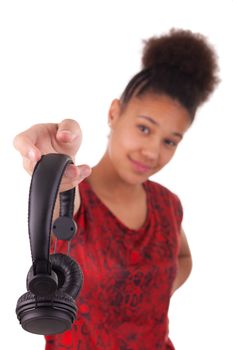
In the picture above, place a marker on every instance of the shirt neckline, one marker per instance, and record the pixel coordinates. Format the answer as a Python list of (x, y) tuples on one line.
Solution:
[(116, 219)]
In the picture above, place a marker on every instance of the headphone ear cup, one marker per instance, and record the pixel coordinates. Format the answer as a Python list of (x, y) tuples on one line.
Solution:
[(46, 315), (41, 284), (69, 273)]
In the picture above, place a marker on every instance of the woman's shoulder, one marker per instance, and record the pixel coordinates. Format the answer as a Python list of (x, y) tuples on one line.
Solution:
[(157, 188), (161, 196)]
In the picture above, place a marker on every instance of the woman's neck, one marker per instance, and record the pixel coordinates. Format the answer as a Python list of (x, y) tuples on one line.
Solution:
[(126, 201), (105, 181)]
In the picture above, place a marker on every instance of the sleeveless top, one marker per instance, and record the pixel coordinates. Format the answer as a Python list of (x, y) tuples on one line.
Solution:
[(128, 275)]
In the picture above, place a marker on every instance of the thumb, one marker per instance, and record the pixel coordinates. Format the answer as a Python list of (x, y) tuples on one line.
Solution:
[(69, 131)]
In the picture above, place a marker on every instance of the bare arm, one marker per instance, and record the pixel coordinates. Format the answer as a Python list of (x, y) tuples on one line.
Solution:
[(64, 137), (184, 263)]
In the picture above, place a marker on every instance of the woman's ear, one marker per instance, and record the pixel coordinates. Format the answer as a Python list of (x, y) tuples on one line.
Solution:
[(114, 112)]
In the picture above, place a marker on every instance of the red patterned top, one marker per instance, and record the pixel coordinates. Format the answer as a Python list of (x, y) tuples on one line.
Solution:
[(128, 275)]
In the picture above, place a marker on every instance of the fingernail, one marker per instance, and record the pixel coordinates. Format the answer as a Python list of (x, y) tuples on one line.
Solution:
[(31, 154), (70, 172), (68, 134), (84, 172)]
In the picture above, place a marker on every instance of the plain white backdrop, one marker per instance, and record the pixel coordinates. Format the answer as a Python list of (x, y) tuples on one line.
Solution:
[(67, 58)]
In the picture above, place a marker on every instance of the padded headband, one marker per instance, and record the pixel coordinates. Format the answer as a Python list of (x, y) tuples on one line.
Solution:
[(43, 192)]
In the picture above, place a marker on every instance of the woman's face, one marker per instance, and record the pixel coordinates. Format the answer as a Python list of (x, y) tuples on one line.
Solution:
[(144, 135)]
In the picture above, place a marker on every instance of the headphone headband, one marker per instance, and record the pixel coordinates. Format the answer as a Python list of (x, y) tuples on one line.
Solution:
[(43, 192)]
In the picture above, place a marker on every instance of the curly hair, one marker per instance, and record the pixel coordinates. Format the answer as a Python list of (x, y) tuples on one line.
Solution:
[(180, 64)]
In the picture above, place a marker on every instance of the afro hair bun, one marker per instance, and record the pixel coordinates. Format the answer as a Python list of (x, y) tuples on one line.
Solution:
[(182, 57)]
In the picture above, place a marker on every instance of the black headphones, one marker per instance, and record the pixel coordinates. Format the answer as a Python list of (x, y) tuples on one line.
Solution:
[(53, 281)]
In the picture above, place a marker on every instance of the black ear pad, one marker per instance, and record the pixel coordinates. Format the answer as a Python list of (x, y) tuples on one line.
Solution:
[(46, 315), (68, 272), (70, 276)]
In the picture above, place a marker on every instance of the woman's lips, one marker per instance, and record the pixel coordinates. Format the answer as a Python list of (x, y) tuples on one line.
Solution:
[(140, 167)]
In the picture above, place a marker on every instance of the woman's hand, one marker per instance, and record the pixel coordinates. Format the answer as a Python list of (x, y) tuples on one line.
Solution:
[(64, 137)]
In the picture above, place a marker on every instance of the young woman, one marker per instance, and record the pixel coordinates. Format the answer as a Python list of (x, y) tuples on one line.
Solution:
[(130, 243)]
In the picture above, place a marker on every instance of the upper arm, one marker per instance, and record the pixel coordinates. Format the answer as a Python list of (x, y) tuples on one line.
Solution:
[(184, 249)]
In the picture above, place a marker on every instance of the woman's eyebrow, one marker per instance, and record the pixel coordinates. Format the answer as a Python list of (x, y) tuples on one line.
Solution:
[(153, 121), (149, 119)]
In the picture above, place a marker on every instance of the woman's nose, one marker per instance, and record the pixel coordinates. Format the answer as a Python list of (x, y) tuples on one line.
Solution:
[(152, 150)]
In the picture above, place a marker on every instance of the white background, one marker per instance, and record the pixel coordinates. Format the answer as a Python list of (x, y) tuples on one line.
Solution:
[(70, 59)]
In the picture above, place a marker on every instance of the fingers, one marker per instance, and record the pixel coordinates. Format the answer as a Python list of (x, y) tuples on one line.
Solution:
[(26, 147), (25, 143), (69, 132), (74, 175), (29, 152), (64, 137)]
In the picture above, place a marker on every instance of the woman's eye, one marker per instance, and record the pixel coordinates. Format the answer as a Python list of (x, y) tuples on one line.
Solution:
[(144, 129), (170, 143)]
